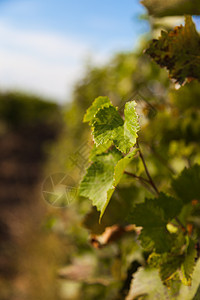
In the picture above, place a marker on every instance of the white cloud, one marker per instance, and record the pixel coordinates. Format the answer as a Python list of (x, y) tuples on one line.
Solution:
[(41, 62), (24, 72), (45, 63), (42, 43)]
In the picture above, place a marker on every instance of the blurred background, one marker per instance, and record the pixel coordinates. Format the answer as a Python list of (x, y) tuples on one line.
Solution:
[(45, 45), (56, 57)]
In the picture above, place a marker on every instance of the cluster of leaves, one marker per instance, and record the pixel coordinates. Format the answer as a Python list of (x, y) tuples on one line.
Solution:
[(127, 74), (169, 140), (168, 224), (171, 248), (109, 130)]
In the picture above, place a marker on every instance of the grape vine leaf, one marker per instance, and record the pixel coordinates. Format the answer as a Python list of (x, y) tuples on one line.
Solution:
[(159, 8), (98, 103), (169, 266), (178, 51), (146, 242), (187, 267), (103, 176), (180, 258), (153, 215), (121, 166), (99, 150), (146, 282), (109, 126), (131, 125), (190, 292), (116, 212), (187, 184)]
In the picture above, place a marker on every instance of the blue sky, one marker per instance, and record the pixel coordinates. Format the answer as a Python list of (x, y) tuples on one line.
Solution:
[(44, 44)]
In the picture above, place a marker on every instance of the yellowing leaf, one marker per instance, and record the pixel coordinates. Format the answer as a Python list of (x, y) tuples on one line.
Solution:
[(187, 267), (178, 51)]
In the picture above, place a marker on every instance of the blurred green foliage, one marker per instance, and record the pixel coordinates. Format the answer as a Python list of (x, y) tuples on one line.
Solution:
[(169, 138)]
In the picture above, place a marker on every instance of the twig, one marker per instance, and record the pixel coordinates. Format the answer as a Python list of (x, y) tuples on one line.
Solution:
[(151, 182), (137, 177), (142, 180), (147, 172)]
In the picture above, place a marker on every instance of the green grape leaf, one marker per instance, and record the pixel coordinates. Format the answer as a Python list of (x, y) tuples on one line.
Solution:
[(121, 166), (166, 51), (116, 212), (156, 212), (109, 126), (146, 242), (96, 105), (153, 215), (169, 265), (187, 267), (179, 258), (191, 292), (103, 176), (159, 8), (99, 150), (98, 181), (131, 126), (187, 184), (146, 282), (170, 206), (166, 263), (159, 236), (148, 214)]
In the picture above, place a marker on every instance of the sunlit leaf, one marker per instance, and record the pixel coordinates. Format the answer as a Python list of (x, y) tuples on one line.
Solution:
[(108, 125), (103, 176), (98, 103)]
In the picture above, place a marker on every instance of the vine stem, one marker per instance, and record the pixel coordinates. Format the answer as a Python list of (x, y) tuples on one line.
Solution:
[(151, 182), (143, 181), (137, 177), (147, 171)]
